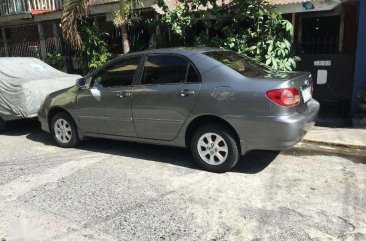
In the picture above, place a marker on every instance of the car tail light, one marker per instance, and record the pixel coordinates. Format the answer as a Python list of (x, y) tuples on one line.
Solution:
[(312, 87), (286, 97)]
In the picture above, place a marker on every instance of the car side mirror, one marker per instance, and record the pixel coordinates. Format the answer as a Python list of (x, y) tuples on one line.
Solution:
[(81, 83)]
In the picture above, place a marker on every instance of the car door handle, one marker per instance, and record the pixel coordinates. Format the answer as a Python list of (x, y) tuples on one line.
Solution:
[(124, 94), (185, 92)]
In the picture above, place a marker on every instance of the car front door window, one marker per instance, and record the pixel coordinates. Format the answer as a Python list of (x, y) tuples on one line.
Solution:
[(118, 74)]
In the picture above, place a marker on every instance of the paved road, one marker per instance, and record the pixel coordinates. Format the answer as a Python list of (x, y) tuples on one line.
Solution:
[(109, 190)]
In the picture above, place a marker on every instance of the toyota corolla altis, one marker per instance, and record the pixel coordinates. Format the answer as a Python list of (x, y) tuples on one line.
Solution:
[(215, 102)]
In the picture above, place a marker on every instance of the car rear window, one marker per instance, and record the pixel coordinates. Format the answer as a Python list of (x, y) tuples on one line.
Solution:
[(238, 63)]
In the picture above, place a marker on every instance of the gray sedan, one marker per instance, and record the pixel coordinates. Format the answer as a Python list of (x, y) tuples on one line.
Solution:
[(215, 102)]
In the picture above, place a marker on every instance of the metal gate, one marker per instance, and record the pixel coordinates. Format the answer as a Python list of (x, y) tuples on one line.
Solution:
[(333, 81), (24, 41)]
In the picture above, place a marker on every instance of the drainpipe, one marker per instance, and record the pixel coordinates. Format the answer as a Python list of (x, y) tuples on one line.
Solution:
[(5, 42), (360, 63), (56, 35), (42, 42)]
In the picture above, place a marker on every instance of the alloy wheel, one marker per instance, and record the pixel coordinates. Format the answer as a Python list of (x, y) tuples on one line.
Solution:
[(62, 131), (212, 148)]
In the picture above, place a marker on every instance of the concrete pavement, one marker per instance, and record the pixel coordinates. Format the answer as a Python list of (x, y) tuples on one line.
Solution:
[(109, 190)]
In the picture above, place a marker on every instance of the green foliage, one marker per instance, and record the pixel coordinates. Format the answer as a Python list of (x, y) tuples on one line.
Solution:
[(76, 10), (245, 26), (178, 20), (362, 96), (94, 52), (125, 14), (56, 60)]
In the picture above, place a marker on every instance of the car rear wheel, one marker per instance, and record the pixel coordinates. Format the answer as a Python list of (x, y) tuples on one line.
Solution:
[(215, 148), (2, 125), (64, 131)]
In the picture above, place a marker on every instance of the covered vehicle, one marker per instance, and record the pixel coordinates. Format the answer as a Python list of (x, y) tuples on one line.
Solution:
[(24, 84)]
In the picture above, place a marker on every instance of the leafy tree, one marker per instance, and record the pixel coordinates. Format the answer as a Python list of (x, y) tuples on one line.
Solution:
[(94, 52), (179, 20), (75, 8), (249, 27), (69, 21), (56, 60)]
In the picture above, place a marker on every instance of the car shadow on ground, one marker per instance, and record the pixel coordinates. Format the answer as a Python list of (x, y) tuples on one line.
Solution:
[(253, 162)]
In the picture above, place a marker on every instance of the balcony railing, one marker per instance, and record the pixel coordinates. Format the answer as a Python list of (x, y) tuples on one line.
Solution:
[(12, 7), (9, 7)]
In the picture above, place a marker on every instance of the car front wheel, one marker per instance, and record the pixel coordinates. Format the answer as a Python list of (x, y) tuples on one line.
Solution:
[(2, 125), (64, 131), (215, 148)]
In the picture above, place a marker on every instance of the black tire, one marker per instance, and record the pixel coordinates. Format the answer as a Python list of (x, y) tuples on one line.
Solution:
[(2, 125), (72, 139), (233, 148)]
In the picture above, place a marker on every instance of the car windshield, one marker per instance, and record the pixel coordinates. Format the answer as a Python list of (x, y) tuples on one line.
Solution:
[(241, 64)]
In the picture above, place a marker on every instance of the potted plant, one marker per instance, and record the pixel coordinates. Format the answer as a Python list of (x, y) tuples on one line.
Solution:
[(362, 103)]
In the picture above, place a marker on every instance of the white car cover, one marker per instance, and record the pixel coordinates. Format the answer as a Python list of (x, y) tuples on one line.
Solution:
[(24, 84)]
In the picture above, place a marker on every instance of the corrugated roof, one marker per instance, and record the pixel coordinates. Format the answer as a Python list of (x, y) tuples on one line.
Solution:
[(283, 2), (172, 4)]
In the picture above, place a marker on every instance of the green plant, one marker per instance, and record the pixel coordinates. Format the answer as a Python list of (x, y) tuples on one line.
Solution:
[(75, 11), (179, 20), (94, 52), (56, 60), (249, 27), (362, 96)]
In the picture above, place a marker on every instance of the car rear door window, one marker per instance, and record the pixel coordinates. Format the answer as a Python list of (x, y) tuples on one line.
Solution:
[(164, 69), (192, 75), (120, 73)]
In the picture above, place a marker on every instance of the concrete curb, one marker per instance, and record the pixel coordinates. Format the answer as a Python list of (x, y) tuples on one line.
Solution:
[(333, 144), (321, 148), (351, 138)]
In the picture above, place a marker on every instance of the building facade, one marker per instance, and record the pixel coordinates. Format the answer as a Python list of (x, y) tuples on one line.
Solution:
[(32, 27), (327, 36)]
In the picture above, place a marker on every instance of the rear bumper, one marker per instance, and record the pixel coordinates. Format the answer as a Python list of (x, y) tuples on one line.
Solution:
[(274, 132)]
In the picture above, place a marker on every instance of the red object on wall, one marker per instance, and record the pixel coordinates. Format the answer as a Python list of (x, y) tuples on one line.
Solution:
[(40, 11)]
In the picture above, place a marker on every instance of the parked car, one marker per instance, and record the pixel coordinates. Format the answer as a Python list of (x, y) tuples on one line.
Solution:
[(24, 83), (216, 102)]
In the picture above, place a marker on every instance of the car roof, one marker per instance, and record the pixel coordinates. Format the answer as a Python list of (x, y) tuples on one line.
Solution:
[(185, 51)]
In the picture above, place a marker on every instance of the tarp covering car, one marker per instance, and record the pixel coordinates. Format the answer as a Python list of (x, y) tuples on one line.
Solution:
[(24, 84)]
